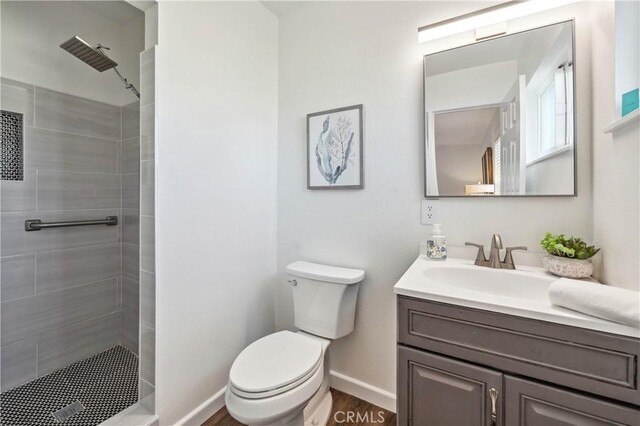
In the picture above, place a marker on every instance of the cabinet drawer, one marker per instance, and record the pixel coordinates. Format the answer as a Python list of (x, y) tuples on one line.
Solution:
[(596, 362), (532, 404)]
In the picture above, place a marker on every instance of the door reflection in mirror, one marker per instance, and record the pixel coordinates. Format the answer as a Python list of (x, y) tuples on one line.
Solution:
[(499, 116)]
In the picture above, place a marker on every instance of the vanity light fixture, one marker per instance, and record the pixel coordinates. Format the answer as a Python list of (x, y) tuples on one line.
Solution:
[(485, 17)]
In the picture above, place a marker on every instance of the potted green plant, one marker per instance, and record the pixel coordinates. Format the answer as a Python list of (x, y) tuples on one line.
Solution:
[(568, 256)]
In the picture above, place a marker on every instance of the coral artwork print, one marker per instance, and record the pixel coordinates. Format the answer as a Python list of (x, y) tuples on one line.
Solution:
[(334, 148)]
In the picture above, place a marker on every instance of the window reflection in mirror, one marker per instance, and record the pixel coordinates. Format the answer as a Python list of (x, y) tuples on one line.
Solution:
[(499, 116)]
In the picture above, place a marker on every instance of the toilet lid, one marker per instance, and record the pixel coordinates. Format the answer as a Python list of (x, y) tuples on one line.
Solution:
[(275, 361)]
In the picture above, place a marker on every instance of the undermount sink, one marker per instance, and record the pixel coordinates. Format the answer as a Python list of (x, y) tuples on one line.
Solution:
[(521, 285)]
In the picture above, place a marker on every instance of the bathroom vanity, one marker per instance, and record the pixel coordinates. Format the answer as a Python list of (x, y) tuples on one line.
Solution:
[(474, 351)]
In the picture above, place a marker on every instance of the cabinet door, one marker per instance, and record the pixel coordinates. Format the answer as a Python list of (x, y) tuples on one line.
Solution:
[(438, 391), (532, 404)]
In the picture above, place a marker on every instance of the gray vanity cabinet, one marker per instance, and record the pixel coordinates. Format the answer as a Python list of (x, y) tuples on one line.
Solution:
[(532, 404), (438, 391), (452, 358)]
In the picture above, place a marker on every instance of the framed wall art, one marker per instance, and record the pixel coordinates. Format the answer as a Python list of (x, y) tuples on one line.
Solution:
[(334, 149)]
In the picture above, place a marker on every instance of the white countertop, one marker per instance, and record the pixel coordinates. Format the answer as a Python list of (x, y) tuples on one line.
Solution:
[(530, 301)]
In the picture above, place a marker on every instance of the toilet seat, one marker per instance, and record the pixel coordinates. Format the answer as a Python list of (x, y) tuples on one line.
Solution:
[(275, 364)]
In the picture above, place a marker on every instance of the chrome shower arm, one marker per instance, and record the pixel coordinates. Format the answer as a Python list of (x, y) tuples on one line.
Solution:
[(127, 84)]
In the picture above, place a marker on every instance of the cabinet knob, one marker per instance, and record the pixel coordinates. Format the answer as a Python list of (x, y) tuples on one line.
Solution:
[(493, 394)]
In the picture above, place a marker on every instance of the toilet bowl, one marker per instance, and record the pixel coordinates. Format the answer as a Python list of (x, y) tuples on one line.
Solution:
[(283, 378), (275, 378)]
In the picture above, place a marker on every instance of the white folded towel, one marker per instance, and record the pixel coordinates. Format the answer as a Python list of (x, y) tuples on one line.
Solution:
[(602, 301)]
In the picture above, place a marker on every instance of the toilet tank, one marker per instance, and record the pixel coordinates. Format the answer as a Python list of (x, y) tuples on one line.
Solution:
[(324, 298)]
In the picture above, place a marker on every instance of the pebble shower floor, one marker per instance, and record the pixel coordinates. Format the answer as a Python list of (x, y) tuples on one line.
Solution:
[(104, 384)]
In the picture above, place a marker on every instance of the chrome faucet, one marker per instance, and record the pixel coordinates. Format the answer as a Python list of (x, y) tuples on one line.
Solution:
[(494, 254)]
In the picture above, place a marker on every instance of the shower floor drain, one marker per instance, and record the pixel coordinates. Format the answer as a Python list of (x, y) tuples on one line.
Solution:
[(70, 410), (85, 393)]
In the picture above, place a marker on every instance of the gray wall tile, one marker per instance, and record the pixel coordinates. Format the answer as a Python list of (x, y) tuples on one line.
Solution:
[(67, 268), (147, 244), (148, 299), (147, 132), (131, 155), (17, 97), (146, 389), (16, 241), (130, 313), (44, 313), (129, 334), (131, 191), (18, 277), (66, 113), (79, 155), (131, 120), (148, 354), (53, 150), (119, 156), (119, 294), (64, 346), (18, 363), (130, 260), (19, 195), (147, 188), (120, 225), (130, 226), (76, 191), (147, 76)]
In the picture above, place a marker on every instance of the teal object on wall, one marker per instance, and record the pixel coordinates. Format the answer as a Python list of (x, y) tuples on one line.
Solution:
[(630, 101)]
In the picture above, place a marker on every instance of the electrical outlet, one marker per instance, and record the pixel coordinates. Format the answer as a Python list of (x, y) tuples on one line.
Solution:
[(429, 214)]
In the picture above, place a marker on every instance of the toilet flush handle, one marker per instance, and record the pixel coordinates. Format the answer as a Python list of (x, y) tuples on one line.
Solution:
[(293, 282)]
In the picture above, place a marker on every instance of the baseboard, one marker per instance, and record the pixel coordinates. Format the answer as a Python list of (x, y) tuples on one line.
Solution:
[(362, 390), (339, 381), (205, 410)]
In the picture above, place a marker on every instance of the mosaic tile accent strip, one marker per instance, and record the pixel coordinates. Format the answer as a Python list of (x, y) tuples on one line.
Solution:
[(12, 146), (104, 384)]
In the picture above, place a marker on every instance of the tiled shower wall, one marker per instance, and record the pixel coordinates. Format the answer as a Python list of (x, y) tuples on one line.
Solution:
[(130, 214), (147, 225), (63, 291)]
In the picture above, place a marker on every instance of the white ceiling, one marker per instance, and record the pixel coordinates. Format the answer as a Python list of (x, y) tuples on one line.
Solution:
[(463, 127), (120, 12)]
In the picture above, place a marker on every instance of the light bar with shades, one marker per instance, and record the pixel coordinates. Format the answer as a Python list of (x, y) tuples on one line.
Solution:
[(487, 16)]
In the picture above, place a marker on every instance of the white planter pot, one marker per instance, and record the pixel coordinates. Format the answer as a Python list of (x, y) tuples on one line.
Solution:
[(568, 268)]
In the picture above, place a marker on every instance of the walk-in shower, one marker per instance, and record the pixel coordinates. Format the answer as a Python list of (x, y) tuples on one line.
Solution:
[(71, 350)]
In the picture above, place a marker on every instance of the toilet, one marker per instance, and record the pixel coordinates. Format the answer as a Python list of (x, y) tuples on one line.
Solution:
[(283, 378)]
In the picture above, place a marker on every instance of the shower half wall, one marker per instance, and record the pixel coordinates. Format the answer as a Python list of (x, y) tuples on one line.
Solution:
[(68, 293)]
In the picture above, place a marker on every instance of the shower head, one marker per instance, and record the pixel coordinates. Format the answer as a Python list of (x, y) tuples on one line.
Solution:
[(87, 54), (93, 56)]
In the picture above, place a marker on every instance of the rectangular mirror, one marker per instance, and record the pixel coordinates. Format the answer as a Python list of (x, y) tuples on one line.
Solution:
[(500, 116)]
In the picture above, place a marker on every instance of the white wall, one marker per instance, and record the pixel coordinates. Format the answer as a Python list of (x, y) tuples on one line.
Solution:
[(616, 201), (553, 175), (470, 87), (216, 193), (333, 54), (458, 165), (32, 32)]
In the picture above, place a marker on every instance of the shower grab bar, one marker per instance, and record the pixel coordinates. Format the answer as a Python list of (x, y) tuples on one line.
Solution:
[(37, 224)]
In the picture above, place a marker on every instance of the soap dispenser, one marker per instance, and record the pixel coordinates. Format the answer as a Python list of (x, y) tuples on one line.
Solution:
[(437, 244)]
